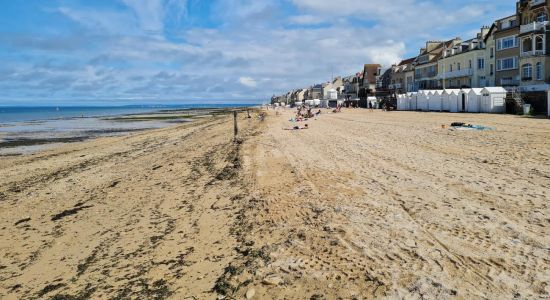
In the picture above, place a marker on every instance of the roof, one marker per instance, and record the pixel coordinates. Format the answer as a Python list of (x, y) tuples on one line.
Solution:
[(407, 61), (476, 91), (450, 91), (495, 89), (437, 52)]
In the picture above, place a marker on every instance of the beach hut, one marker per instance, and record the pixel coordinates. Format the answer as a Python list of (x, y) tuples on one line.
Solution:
[(450, 100), (402, 102), (474, 101), (316, 102), (434, 102), (422, 100), (407, 100), (492, 100), (412, 100), (463, 100)]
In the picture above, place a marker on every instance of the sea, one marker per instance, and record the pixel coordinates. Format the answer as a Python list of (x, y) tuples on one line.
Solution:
[(25, 130)]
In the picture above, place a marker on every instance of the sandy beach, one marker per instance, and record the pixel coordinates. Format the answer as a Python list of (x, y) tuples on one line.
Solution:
[(362, 205)]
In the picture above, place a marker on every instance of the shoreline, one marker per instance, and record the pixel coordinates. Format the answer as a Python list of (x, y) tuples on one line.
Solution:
[(27, 142)]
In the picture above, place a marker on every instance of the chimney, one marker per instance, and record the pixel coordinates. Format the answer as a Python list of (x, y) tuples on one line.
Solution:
[(431, 45)]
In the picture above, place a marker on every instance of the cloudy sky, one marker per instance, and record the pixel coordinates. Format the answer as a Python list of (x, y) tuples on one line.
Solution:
[(177, 51)]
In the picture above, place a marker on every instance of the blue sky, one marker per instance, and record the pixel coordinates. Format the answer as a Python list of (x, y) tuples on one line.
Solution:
[(176, 51)]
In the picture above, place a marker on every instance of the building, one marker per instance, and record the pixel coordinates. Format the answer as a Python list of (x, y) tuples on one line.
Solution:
[(507, 52), (402, 80), (463, 65), (351, 86), (426, 64), (534, 58), (316, 92), (490, 57), (370, 75)]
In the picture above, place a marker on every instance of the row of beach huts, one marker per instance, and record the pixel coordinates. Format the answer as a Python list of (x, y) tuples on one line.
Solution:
[(475, 100)]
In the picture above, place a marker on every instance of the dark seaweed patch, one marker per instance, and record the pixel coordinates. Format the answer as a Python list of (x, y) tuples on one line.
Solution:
[(69, 212)]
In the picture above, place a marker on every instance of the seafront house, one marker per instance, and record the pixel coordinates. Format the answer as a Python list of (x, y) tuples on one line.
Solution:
[(351, 87), (367, 85), (402, 79), (490, 56), (316, 92), (463, 65), (336, 84), (426, 64), (507, 52), (534, 60)]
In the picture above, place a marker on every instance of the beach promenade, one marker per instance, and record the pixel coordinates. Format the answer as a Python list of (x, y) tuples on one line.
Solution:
[(362, 205)]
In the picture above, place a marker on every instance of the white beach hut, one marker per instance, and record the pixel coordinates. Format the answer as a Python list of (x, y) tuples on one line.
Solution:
[(463, 100), (298, 104), (474, 100), (434, 102), (402, 103), (450, 100), (493, 100), (422, 100), (412, 100)]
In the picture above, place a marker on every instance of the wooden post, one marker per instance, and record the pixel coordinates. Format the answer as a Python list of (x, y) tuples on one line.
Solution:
[(236, 129)]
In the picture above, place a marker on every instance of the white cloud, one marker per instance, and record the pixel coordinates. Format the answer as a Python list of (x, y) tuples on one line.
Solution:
[(248, 82), (134, 57)]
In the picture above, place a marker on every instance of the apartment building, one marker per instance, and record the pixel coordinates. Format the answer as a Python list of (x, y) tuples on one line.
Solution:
[(402, 78), (534, 59), (490, 55), (426, 64), (464, 64), (370, 75), (507, 52)]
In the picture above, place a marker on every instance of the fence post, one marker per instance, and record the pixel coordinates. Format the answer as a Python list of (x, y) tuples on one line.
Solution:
[(236, 129)]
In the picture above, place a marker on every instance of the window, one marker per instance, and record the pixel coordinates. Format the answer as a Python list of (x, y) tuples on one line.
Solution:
[(509, 63), (450, 67), (541, 17), (470, 63), (507, 42), (458, 66), (527, 45), (527, 71), (492, 69), (492, 52), (539, 71), (539, 43), (481, 63)]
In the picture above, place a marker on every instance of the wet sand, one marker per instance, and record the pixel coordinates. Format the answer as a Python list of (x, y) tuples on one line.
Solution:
[(362, 205)]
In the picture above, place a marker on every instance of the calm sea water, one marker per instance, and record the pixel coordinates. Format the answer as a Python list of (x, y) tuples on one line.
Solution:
[(9, 115), (46, 124)]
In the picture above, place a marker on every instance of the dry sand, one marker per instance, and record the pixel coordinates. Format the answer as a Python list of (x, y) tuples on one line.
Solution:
[(362, 205)]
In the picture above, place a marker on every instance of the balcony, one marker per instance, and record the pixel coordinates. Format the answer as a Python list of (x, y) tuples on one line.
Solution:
[(533, 53), (509, 82), (535, 26), (456, 74)]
